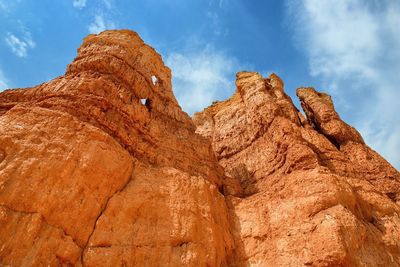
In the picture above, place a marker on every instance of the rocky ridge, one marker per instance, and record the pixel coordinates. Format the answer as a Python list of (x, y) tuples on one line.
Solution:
[(302, 191), (101, 167)]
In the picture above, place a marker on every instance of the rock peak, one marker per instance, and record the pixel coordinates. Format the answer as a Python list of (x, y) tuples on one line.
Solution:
[(123, 55), (101, 167), (308, 185), (321, 114), (98, 163)]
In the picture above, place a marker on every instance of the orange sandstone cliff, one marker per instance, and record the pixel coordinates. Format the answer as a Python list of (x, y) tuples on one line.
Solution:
[(101, 167), (301, 191)]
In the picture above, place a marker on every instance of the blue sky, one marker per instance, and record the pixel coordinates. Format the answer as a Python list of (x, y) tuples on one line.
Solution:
[(347, 48)]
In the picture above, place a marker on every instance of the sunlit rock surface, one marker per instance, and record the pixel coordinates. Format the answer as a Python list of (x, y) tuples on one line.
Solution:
[(101, 167), (301, 191)]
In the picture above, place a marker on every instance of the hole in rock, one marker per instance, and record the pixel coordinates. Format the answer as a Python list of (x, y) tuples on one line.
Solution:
[(221, 190), (154, 80), (148, 104)]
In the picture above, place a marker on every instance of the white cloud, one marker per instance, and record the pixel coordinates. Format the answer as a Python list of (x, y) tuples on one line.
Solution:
[(79, 4), (353, 47), (3, 81), (201, 77), (20, 45), (99, 25)]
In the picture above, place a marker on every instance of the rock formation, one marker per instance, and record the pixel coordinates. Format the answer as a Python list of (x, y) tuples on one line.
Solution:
[(301, 191), (101, 167), (91, 175)]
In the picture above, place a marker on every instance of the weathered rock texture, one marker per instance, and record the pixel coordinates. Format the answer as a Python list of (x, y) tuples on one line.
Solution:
[(101, 167), (301, 191), (91, 175)]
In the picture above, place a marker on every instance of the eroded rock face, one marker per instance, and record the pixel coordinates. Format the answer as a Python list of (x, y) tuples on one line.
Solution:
[(101, 167), (301, 191)]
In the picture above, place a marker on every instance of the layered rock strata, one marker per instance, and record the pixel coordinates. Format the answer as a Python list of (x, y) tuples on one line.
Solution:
[(101, 167), (302, 191)]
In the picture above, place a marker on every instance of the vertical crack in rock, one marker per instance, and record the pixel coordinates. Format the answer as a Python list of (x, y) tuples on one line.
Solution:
[(84, 249)]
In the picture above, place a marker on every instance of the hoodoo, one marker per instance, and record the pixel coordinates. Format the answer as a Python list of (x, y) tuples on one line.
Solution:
[(101, 167), (301, 191), (90, 175)]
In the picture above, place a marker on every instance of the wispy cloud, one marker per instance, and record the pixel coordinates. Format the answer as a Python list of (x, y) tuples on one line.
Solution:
[(214, 21), (202, 76), (3, 81), (108, 3), (353, 47), (3, 6), (79, 4), (222, 2), (100, 24), (20, 45), (8, 6)]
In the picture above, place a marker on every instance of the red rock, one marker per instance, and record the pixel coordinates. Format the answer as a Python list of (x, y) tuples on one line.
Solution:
[(101, 167), (301, 191), (90, 175)]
